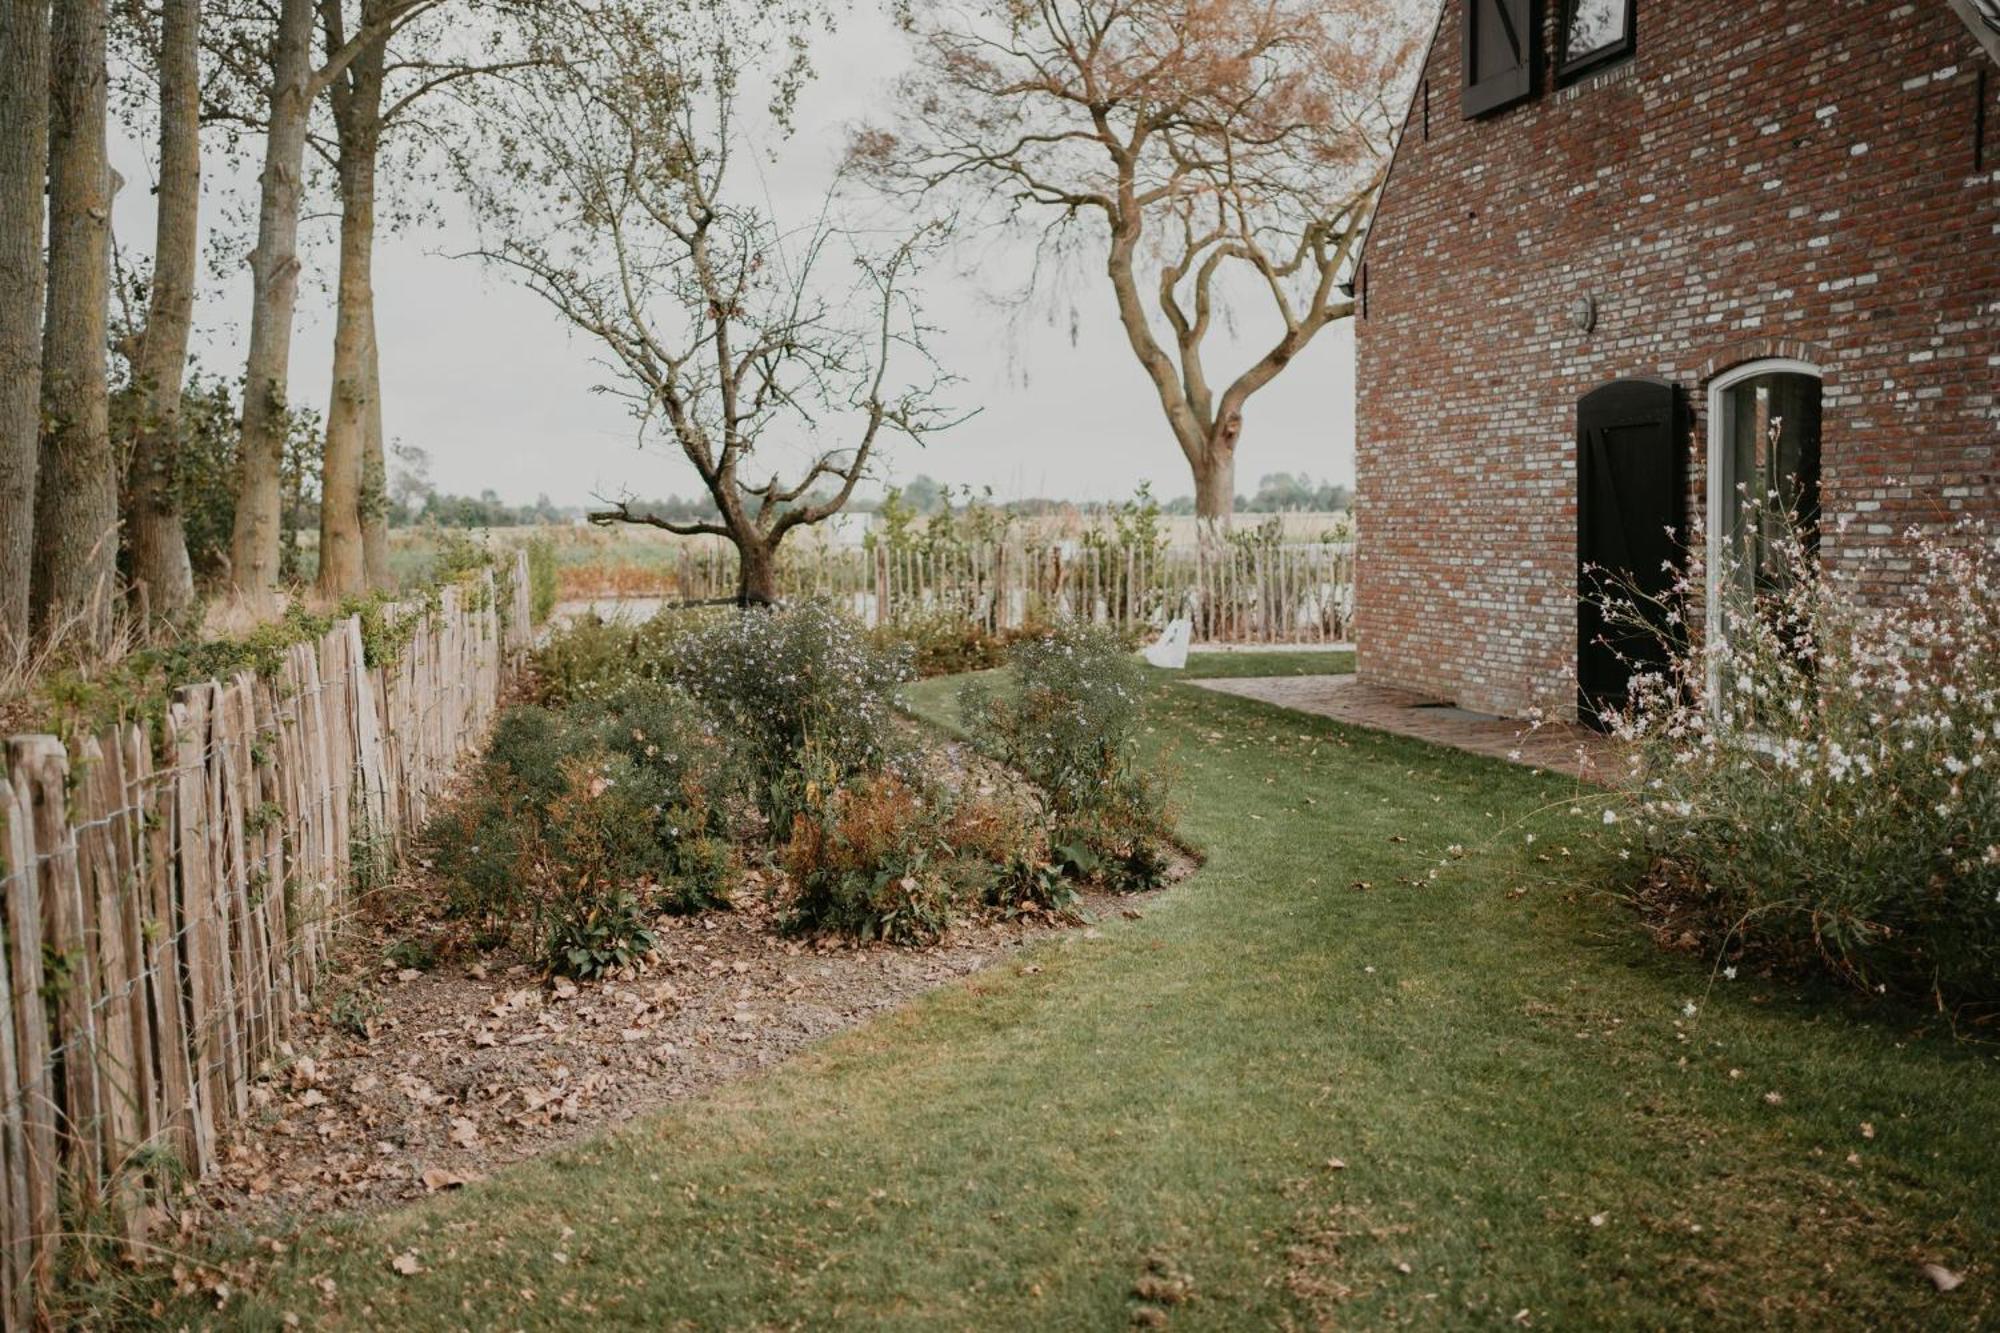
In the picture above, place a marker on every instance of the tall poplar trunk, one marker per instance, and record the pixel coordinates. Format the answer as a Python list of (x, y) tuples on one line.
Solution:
[(274, 277), (357, 110), (76, 486), (24, 164), (160, 569), (375, 471)]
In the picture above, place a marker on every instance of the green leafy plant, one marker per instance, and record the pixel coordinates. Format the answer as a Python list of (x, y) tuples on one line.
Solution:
[(412, 951), (542, 578), (600, 937), (356, 1011), (703, 871)]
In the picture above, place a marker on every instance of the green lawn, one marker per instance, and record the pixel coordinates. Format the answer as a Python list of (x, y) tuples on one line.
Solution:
[(1216, 666), (1525, 1120)]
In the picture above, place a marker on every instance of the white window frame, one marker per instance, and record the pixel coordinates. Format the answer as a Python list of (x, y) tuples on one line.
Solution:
[(1719, 503)]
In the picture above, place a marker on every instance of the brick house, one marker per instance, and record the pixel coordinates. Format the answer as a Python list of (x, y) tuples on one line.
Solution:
[(1633, 254)]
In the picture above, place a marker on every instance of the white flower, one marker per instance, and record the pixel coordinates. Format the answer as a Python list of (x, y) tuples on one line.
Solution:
[(1610, 816), (1729, 974), (1689, 1009)]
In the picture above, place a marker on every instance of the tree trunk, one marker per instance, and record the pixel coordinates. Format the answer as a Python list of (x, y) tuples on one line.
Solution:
[(757, 572), (357, 107), (160, 568), (274, 277), (76, 487), (375, 471), (24, 164), (1215, 485)]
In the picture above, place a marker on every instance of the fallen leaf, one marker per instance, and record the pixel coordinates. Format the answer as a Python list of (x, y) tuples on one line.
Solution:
[(406, 1263), (464, 1132), (437, 1178), (1943, 1278)]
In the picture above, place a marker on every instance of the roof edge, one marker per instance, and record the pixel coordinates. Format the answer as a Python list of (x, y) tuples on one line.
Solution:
[(1983, 17), (1396, 151)]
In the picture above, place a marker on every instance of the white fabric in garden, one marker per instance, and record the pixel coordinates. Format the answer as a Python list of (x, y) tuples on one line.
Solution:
[(1171, 651)]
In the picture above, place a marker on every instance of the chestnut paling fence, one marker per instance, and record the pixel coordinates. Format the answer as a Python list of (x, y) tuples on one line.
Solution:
[(1291, 592), (169, 900)]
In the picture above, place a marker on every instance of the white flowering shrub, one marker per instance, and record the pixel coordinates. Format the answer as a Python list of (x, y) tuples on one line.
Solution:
[(1817, 772), (804, 691)]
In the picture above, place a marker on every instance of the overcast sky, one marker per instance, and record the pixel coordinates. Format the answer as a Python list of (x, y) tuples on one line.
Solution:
[(483, 376)]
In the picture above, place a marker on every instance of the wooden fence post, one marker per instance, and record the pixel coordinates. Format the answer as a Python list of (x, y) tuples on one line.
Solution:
[(30, 1122), (40, 769)]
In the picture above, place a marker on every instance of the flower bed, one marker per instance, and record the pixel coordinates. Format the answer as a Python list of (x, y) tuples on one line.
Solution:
[(1820, 779), (659, 764)]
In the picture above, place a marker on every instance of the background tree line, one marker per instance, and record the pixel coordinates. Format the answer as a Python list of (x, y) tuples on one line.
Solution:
[(124, 476)]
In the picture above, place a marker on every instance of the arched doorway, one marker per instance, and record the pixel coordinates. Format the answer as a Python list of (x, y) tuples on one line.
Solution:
[(1763, 472)]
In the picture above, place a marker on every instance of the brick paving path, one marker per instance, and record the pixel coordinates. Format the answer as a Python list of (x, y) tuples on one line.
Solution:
[(1558, 747)]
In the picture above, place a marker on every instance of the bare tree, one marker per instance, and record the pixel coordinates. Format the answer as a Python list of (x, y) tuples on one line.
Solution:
[(24, 160), (1197, 143), (617, 202), (274, 267), (155, 532), (76, 485)]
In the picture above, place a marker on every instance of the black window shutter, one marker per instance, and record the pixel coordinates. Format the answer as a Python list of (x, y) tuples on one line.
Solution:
[(1503, 47)]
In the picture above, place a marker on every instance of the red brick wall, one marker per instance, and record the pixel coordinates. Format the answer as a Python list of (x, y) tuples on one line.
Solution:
[(1763, 177)]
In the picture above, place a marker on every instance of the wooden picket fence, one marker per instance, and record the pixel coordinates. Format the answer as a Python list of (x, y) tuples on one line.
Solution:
[(169, 902), (1294, 592)]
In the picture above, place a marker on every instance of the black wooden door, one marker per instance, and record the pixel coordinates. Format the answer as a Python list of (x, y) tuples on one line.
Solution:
[(1631, 473)]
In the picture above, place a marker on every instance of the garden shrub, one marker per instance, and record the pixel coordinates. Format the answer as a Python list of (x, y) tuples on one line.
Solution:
[(946, 644), (528, 746), (942, 645), (871, 860), (703, 869), (1835, 796), (588, 658), (542, 581), (621, 791), (597, 830), (1067, 718), (655, 823)]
